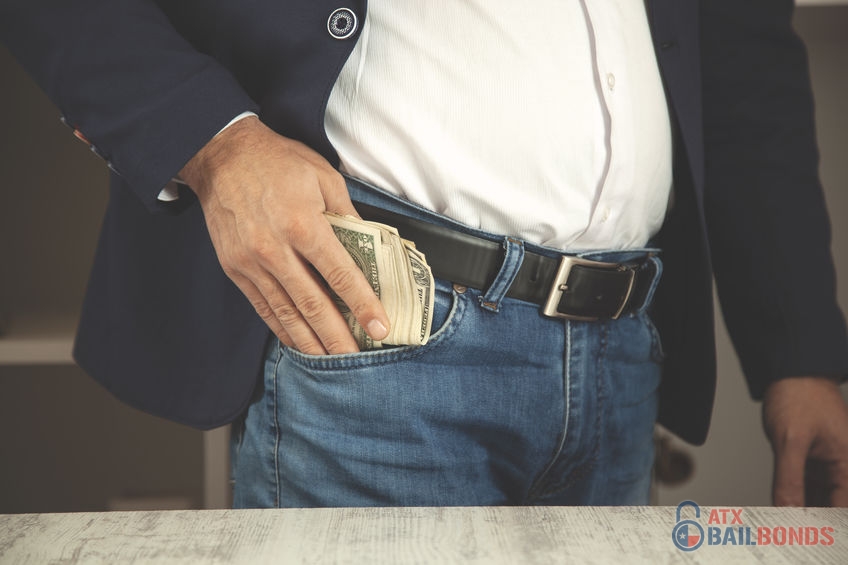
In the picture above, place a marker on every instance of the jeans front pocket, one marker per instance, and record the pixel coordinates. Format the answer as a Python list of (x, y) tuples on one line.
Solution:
[(657, 351), (367, 428), (448, 309)]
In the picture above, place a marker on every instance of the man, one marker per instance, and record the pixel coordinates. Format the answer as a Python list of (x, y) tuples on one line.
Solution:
[(507, 404)]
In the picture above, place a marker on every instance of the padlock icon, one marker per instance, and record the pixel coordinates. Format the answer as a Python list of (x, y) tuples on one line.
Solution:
[(687, 535)]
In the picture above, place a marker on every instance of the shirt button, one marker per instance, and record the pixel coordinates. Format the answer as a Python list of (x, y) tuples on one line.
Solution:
[(605, 214), (342, 23), (611, 81)]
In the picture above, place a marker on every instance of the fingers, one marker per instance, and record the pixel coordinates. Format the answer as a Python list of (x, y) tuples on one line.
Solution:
[(816, 483), (790, 456), (790, 440), (264, 198), (319, 247), (295, 304), (280, 314), (338, 268), (311, 316), (303, 316), (839, 494), (316, 244), (806, 420)]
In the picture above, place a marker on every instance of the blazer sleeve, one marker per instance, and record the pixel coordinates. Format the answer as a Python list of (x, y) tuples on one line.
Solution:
[(766, 216), (127, 82)]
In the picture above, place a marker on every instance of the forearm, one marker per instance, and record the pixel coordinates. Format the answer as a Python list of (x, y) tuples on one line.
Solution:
[(122, 75)]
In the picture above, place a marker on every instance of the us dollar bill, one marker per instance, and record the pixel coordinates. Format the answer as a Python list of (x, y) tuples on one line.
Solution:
[(364, 244), (424, 291), (399, 275)]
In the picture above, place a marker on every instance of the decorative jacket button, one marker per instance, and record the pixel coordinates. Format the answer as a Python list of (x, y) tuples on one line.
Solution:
[(342, 23)]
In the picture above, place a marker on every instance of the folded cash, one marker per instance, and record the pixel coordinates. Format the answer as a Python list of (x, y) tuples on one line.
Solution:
[(397, 272)]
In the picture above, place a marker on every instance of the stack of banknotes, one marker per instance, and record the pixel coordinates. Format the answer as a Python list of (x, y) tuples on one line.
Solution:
[(399, 275)]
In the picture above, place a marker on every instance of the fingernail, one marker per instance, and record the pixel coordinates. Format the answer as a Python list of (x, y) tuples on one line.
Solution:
[(377, 330)]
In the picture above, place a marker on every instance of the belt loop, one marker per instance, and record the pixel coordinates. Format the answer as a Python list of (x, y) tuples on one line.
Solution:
[(654, 260), (514, 256)]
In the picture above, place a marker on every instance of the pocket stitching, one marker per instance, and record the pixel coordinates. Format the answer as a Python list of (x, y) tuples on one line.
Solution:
[(376, 358), (657, 351)]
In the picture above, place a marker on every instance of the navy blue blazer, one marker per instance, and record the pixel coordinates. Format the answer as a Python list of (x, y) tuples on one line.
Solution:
[(150, 82)]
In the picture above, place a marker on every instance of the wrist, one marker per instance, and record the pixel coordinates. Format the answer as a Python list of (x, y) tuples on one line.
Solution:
[(826, 381), (206, 163)]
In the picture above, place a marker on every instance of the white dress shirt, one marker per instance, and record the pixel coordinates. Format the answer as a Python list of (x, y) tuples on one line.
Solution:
[(544, 120)]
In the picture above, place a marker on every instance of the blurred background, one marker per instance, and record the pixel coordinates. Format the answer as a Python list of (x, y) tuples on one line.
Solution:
[(67, 445)]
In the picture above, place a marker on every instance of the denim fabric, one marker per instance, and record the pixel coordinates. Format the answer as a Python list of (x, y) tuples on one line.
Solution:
[(502, 406)]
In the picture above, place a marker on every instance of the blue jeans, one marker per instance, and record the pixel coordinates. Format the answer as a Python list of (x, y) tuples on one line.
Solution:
[(502, 406)]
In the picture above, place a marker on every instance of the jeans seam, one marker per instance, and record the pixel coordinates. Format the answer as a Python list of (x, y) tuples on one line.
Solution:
[(657, 351), (277, 431), (539, 483), (590, 463)]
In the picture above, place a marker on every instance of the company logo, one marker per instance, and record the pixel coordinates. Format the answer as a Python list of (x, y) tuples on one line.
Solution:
[(688, 535), (725, 526)]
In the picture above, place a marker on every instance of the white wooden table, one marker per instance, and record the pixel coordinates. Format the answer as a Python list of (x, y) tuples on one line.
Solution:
[(542, 535)]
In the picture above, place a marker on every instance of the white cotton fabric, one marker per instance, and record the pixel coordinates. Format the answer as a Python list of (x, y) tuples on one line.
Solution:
[(543, 120)]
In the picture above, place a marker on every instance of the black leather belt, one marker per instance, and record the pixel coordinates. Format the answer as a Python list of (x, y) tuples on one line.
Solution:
[(566, 286)]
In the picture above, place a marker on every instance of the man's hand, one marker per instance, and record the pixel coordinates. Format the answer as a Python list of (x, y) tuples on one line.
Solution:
[(263, 197), (806, 420)]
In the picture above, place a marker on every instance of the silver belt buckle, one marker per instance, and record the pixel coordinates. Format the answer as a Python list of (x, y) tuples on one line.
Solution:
[(560, 285)]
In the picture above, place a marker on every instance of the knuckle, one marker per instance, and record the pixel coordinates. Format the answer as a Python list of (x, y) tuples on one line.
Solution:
[(231, 271), (263, 309), (333, 179), (313, 307), (299, 233), (236, 262), (286, 313), (234, 258), (342, 279), (264, 248), (795, 440)]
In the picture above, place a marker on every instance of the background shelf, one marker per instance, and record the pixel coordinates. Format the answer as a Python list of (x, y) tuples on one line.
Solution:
[(38, 340)]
